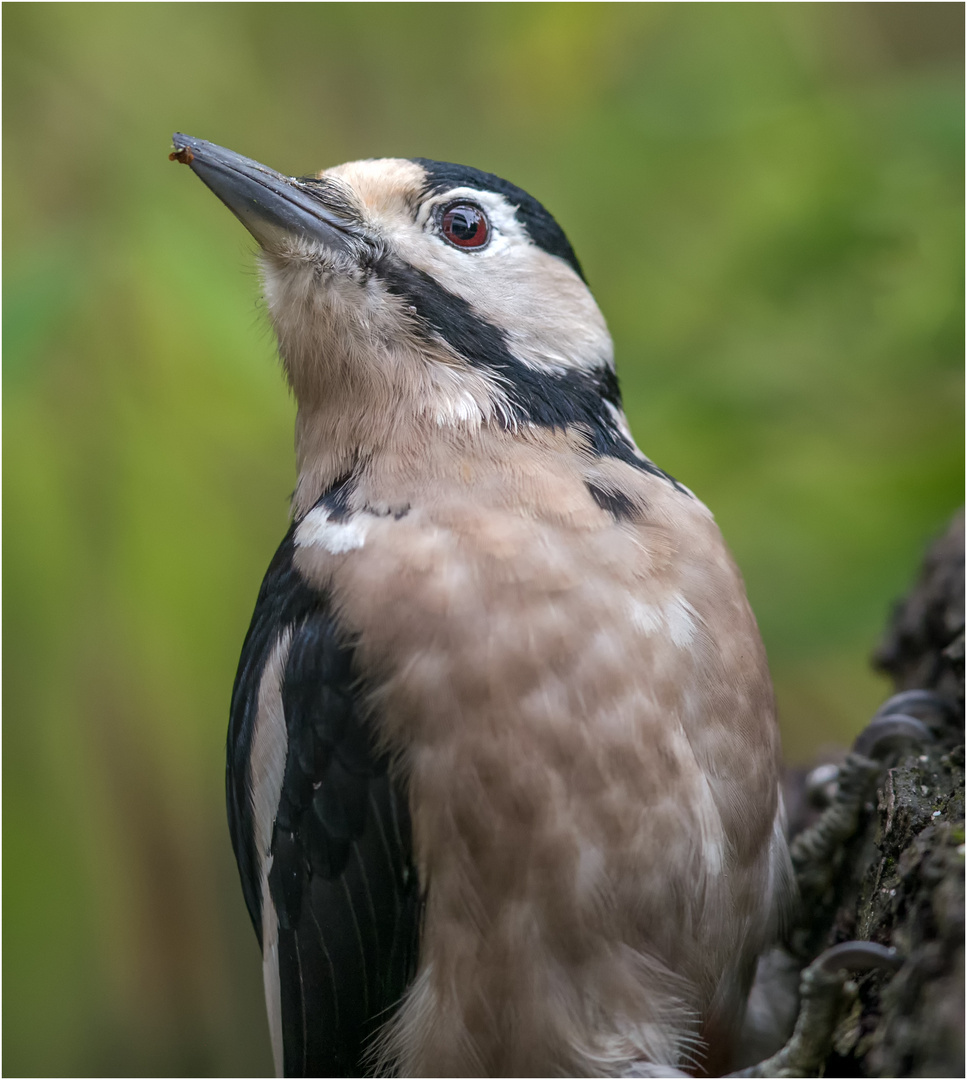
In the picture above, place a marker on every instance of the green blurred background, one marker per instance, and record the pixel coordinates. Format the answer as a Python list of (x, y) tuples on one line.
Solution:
[(767, 200)]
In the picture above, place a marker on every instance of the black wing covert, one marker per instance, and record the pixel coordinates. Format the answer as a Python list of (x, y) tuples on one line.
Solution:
[(342, 879)]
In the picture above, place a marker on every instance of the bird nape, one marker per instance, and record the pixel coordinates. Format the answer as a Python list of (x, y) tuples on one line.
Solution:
[(503, 766)]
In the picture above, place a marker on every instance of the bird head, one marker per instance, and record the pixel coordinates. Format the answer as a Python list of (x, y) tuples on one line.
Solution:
[(414, 294)]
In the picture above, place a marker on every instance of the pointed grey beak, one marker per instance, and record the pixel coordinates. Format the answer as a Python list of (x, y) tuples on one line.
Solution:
[(271, 206)]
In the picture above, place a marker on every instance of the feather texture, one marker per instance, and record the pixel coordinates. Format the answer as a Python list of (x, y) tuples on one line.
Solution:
[(503, 761), (338, 875)]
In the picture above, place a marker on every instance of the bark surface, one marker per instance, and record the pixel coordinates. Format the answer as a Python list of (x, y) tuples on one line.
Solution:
[(900, 880)]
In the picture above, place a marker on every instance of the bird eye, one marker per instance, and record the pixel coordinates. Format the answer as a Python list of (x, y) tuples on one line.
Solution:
[(465, 226)]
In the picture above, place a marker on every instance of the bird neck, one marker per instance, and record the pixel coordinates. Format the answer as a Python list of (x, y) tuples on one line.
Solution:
[(396, 411), (400, 441)]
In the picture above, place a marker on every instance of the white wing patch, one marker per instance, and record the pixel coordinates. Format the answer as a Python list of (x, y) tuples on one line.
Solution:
[(266, 772), (269, 746)]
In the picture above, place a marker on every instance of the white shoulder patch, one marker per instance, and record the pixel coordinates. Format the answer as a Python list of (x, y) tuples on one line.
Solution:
[(337, 537)]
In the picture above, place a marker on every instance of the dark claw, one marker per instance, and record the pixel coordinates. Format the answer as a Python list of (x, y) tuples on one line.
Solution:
[(821, 996), (923, 704), (857, 956), (887, 730)]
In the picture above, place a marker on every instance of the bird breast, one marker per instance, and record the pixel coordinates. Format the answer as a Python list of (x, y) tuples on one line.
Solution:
[(582, 715)]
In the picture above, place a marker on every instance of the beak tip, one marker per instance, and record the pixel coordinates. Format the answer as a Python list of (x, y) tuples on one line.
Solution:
[(185, 156), (271, 206), (182, 148)]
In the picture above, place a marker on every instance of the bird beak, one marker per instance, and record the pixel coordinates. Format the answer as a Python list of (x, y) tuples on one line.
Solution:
[(274, 208)]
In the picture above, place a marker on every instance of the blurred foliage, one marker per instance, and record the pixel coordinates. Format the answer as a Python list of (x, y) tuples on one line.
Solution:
[(767, 200)]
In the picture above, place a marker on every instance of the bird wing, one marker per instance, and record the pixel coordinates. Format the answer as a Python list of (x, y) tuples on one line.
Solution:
[(321, 832)]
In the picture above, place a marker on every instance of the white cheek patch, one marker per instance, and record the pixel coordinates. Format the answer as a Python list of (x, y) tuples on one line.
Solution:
[(674, 617), (548, 316), (336, 537)]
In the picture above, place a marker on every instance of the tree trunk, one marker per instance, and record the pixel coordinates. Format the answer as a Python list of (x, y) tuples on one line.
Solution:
[(900, 880)]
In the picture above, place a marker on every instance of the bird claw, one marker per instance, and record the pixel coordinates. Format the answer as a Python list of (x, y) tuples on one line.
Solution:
[(902, 719), (898, 720), (883, 734), (921, 703), (857, 956), (821, 992), (844, 789)]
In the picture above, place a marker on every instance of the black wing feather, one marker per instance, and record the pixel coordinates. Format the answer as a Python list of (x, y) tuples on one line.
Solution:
[(342, 879)]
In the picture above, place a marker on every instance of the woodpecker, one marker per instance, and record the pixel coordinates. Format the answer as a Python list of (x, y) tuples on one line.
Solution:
[(503, 765)]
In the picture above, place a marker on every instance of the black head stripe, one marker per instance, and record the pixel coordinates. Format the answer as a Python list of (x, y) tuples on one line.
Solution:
[(541, 227), (575, 398)]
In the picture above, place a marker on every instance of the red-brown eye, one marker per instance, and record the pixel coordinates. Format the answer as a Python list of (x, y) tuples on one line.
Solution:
[(465, 226)]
